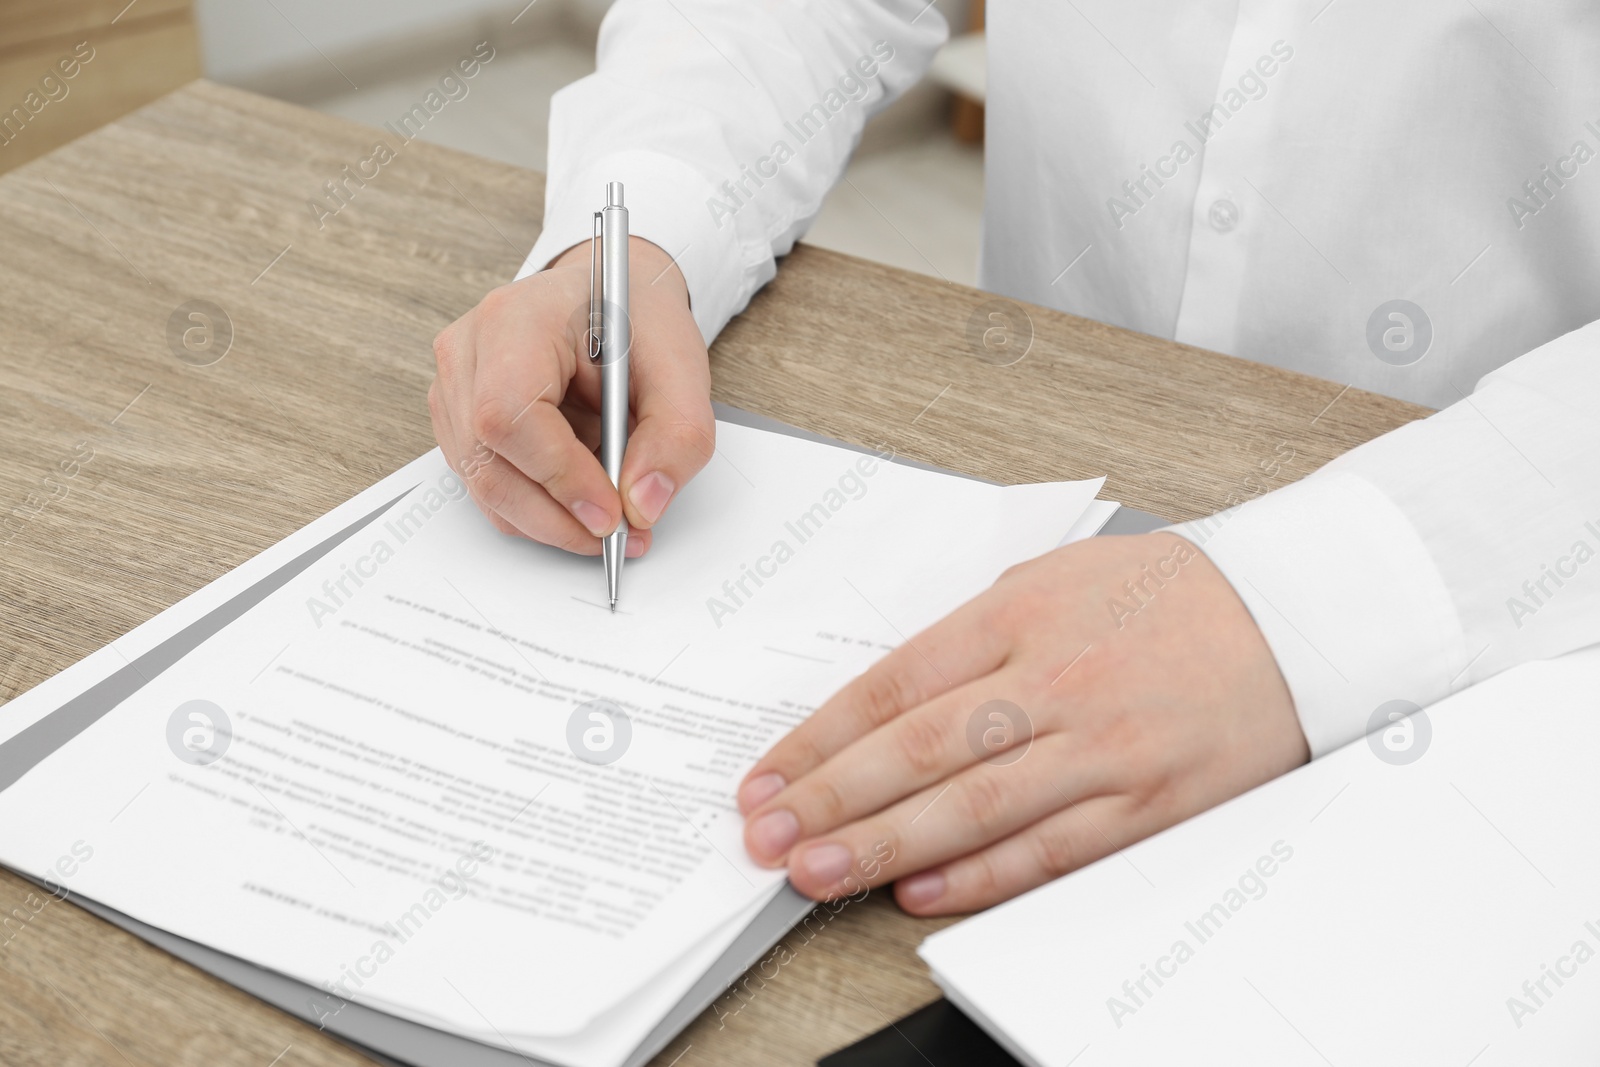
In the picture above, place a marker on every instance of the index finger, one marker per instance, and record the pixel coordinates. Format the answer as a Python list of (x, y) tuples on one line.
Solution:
[(961, 647)]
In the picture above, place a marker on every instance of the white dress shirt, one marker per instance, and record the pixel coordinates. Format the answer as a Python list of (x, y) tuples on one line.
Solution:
[(1402, 198)]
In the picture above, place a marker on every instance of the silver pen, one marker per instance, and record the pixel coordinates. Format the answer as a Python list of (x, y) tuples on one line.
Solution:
[(610, 336)]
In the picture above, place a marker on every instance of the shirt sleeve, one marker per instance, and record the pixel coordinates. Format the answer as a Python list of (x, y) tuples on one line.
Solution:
[(727, 122), (1434, 556)]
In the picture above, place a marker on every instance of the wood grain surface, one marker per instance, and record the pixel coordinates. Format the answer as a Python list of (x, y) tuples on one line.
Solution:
[(180, 472)]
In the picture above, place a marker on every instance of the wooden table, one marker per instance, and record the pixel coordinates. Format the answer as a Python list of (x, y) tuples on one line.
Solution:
[(181, 472)]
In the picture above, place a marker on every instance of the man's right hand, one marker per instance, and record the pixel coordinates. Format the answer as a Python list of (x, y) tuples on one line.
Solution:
[(516, 403)]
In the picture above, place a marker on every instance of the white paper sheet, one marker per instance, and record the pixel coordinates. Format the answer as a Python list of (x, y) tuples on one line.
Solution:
[(1092, 521), (398, 814), (1429, 895)]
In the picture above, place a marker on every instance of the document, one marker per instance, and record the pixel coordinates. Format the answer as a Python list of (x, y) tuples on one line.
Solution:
[(432, 773), (1427, 895)]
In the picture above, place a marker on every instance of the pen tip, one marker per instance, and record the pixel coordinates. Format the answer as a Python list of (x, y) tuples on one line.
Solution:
[(613, 607)]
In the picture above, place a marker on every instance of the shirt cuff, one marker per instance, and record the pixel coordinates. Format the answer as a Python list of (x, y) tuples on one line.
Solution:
[(666, 206), (1347, 595)]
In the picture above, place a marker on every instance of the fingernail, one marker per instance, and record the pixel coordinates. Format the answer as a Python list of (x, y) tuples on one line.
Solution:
[(826, 864), (757, 791), (920, 890), (635, 547), (593, 517), (650, 495), (774, 833)]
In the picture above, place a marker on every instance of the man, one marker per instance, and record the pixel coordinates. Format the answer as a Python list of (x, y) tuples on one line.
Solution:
[(1398, 198)]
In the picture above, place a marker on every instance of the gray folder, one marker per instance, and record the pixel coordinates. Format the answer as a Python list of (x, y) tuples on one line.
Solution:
[(387, 1038)]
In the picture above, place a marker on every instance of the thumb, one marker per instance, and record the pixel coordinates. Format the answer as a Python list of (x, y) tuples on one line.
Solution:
[(674, 434)]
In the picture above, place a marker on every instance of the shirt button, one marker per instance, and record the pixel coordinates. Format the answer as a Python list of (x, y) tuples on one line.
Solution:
[(1224, 215)]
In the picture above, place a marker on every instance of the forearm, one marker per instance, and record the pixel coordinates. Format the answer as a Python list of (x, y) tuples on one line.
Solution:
[(727, 123)]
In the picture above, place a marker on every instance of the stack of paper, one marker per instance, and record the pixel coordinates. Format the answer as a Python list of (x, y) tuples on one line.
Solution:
[(419, 766), (1428, 895)]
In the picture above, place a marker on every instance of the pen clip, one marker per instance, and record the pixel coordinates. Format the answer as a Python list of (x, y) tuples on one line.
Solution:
[(596, 293)]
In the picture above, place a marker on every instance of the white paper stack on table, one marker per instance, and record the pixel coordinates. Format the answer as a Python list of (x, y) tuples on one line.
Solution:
[(1427, 895), (423, 769)]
